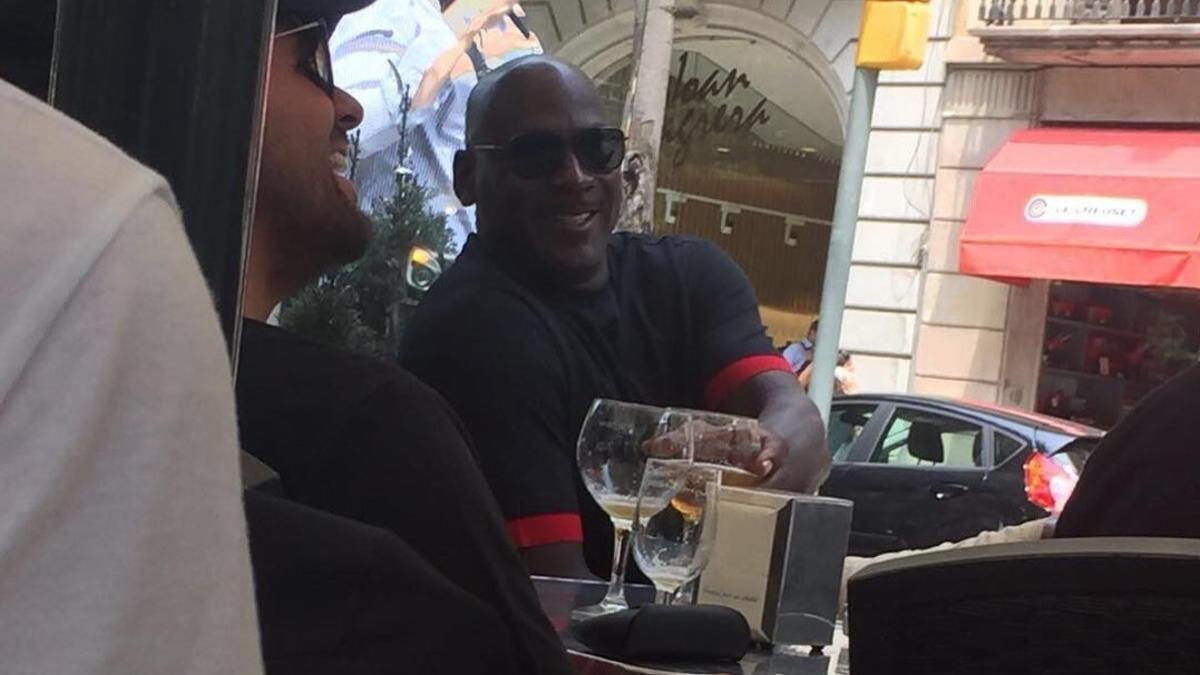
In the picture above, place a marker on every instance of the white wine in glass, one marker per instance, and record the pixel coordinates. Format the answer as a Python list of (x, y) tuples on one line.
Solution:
[(611, 458), (620, 510), (676, 523)]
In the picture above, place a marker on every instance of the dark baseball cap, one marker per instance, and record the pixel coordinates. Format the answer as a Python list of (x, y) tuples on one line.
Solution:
[(330, 10)]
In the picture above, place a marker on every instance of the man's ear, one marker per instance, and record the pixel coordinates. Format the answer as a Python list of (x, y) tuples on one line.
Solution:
[(464, 177)]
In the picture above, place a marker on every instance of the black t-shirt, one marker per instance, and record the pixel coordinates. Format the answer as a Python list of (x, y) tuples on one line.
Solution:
[(364, 439), (1141, 479), (337, 596), (677, 324)]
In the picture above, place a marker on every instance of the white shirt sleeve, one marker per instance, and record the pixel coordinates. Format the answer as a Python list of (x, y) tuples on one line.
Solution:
[(123, 544), (794, 353), (1034, 530)]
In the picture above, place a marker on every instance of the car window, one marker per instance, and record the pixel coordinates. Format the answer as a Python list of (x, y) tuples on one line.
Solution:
[(1004, 446), (846, 422), (920, 438)]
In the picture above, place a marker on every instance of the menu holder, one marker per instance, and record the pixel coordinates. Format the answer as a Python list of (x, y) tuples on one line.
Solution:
[(778, 560)]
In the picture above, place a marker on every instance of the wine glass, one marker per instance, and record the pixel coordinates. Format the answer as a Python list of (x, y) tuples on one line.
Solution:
[(729, 443), (676, 523), (611, 459)]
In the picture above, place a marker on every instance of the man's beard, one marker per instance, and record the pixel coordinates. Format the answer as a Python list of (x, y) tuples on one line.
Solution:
[(322, 230), (348, 230)]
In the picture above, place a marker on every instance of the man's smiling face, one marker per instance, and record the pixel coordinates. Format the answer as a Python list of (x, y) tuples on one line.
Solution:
[(304, 191), (557, 224)]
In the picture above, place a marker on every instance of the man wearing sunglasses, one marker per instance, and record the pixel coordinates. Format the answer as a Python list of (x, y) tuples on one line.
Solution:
[(356, 437), (547, 309)]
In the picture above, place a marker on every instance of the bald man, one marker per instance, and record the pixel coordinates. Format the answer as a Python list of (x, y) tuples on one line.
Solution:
[(547, 309)]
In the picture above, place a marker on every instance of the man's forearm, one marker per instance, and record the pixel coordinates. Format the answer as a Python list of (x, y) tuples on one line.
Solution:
[(438, 73), (783, 408), (793, 417)]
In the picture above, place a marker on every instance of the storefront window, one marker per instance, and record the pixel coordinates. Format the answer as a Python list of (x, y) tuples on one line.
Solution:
[(755, 175), (1106, 347)]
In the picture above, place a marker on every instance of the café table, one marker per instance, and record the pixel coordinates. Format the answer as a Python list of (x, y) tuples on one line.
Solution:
[(559, 596)]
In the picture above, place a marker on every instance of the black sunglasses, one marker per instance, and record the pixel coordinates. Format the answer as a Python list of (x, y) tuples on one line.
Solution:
[(539, 154), (318, 64)]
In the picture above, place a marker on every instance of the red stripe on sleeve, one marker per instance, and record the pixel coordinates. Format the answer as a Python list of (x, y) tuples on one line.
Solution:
[(733, 375), (549, 528)]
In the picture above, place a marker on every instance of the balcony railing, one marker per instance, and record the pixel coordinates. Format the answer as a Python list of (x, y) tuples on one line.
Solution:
[(1013, 12), (1120, 33)]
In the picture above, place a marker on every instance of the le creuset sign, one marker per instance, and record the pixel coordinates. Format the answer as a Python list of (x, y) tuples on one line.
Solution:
[(1086, 210)]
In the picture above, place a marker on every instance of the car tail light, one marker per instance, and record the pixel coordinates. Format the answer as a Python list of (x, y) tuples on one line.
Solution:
[(1049, 484)]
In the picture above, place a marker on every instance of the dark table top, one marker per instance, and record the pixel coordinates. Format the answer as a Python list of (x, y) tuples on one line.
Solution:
[(559, 596)]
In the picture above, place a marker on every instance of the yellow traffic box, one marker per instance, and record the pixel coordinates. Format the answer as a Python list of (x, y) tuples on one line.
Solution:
[(893, 35)]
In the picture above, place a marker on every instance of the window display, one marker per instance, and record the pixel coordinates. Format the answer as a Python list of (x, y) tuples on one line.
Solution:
[(1106, 347)]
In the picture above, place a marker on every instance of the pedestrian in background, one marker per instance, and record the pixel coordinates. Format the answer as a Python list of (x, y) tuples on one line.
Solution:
[(844, 381), (799, 354)]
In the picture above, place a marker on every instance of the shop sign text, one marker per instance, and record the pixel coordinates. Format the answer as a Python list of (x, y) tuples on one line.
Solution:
[(698, 108)]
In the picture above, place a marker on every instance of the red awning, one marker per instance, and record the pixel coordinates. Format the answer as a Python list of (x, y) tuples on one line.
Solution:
[(1100, 205)]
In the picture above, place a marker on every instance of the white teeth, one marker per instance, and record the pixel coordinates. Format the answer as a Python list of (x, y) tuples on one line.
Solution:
[(575, 219), (340, 163)]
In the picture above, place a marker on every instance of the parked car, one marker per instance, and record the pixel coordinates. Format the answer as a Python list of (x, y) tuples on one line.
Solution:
[(922, 470)]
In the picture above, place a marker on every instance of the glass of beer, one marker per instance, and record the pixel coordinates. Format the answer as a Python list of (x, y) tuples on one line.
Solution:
[(610, 457), (676, 523)]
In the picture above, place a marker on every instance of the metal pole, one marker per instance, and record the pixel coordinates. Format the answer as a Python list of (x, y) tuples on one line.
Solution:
[(178, 85), (646, 103), (841, 238)]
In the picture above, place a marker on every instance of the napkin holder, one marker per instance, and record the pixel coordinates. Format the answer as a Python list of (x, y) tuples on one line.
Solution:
[(778, 560)]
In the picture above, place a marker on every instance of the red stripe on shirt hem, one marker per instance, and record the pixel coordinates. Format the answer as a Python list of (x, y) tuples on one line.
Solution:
[(735, 374), (549, 528)]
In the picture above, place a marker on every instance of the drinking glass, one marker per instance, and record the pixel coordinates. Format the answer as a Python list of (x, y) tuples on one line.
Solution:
[(676, 523), (610, 457), (726, 442)]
